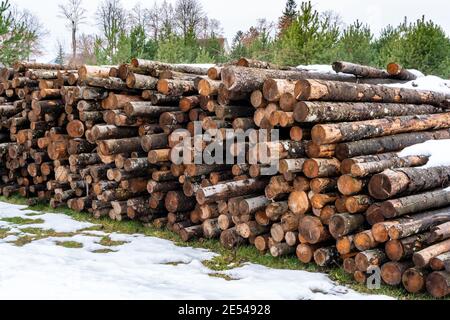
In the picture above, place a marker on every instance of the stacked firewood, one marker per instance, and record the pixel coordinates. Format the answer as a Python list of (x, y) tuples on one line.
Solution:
[(105, 140)]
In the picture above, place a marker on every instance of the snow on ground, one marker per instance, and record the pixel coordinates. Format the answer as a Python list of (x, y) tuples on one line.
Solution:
[(140, 267), (432, 83), (437, 150)]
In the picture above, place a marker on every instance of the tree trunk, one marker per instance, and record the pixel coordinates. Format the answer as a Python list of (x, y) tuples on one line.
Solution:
[(369, 258), (309, 111), (313, 231), (230, 189), (366, 169), (418, 223), (387, 144), (344, 224), (414, 280), (392, 272), (353, 131), (422, 258), (438, 284), (396, 71), (415, 203), (359, 70), (397, 250), (350, 92), (396, 182)]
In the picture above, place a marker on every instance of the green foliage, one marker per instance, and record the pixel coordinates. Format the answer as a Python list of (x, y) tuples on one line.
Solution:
[(171, 50), (307, 39), (289, 13), (16, 38), (141, 47), (356, 44), (60, 55), (421, 45)]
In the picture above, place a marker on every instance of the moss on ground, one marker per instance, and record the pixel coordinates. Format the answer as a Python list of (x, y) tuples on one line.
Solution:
[(108, 242), (22, 221), (226, 259), (70, 244)]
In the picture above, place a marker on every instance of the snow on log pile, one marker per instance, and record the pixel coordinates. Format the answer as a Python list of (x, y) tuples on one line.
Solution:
[(102, 140)]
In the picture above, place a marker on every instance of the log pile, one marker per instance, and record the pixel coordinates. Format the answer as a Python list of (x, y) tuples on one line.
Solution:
[(103, 140)]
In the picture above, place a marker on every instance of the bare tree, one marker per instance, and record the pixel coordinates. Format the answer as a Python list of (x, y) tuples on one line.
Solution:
[(209, 28), (86, 45), (111, 17), (137, 16), (188, 15), (73, 11), (32, 27)]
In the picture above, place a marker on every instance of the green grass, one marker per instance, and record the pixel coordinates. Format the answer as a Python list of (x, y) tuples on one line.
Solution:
[(226, 259), (103, 251), (4, 232), (69, 244), (107, 242), (22, 221)]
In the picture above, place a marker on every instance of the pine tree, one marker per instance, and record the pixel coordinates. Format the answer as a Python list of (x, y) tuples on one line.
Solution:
[(308, 38), (61, 56), (289, 13), (16, 38), (356, 44)]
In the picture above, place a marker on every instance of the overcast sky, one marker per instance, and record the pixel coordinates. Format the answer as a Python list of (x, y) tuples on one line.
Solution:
[(241, 14)]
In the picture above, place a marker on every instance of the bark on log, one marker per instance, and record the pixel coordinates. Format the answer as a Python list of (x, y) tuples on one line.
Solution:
[(251, 79), (350, 92), (359, 70), (230, 189), (319, 111), (391, 183), (418, 223), (415, 203), (369, 258), (422, 258), (353, 131), (344, 224), (387, 144)]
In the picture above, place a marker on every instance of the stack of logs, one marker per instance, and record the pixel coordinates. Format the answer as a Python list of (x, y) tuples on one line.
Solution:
[(102, 140)]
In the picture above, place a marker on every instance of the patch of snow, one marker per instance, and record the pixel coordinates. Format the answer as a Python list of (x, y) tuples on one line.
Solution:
[(142, 268), (198, 65), (431, 83), (322, 68), (435, 149)]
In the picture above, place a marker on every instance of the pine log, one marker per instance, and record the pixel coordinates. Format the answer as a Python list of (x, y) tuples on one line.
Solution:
[(415, 203), (398, 72), (350, 92), (352, 131), (422, 258), (366, 169), (344, 224), (392, 272), (359, 70), (369, 258), (387, 144), (391, 183), (230, 189), (312, 230), (247, 80), (414, 280), (439, 233), (418, 223), (319, 111)]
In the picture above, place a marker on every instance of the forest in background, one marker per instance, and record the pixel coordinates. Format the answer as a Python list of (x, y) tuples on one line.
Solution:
[(183, 33)]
